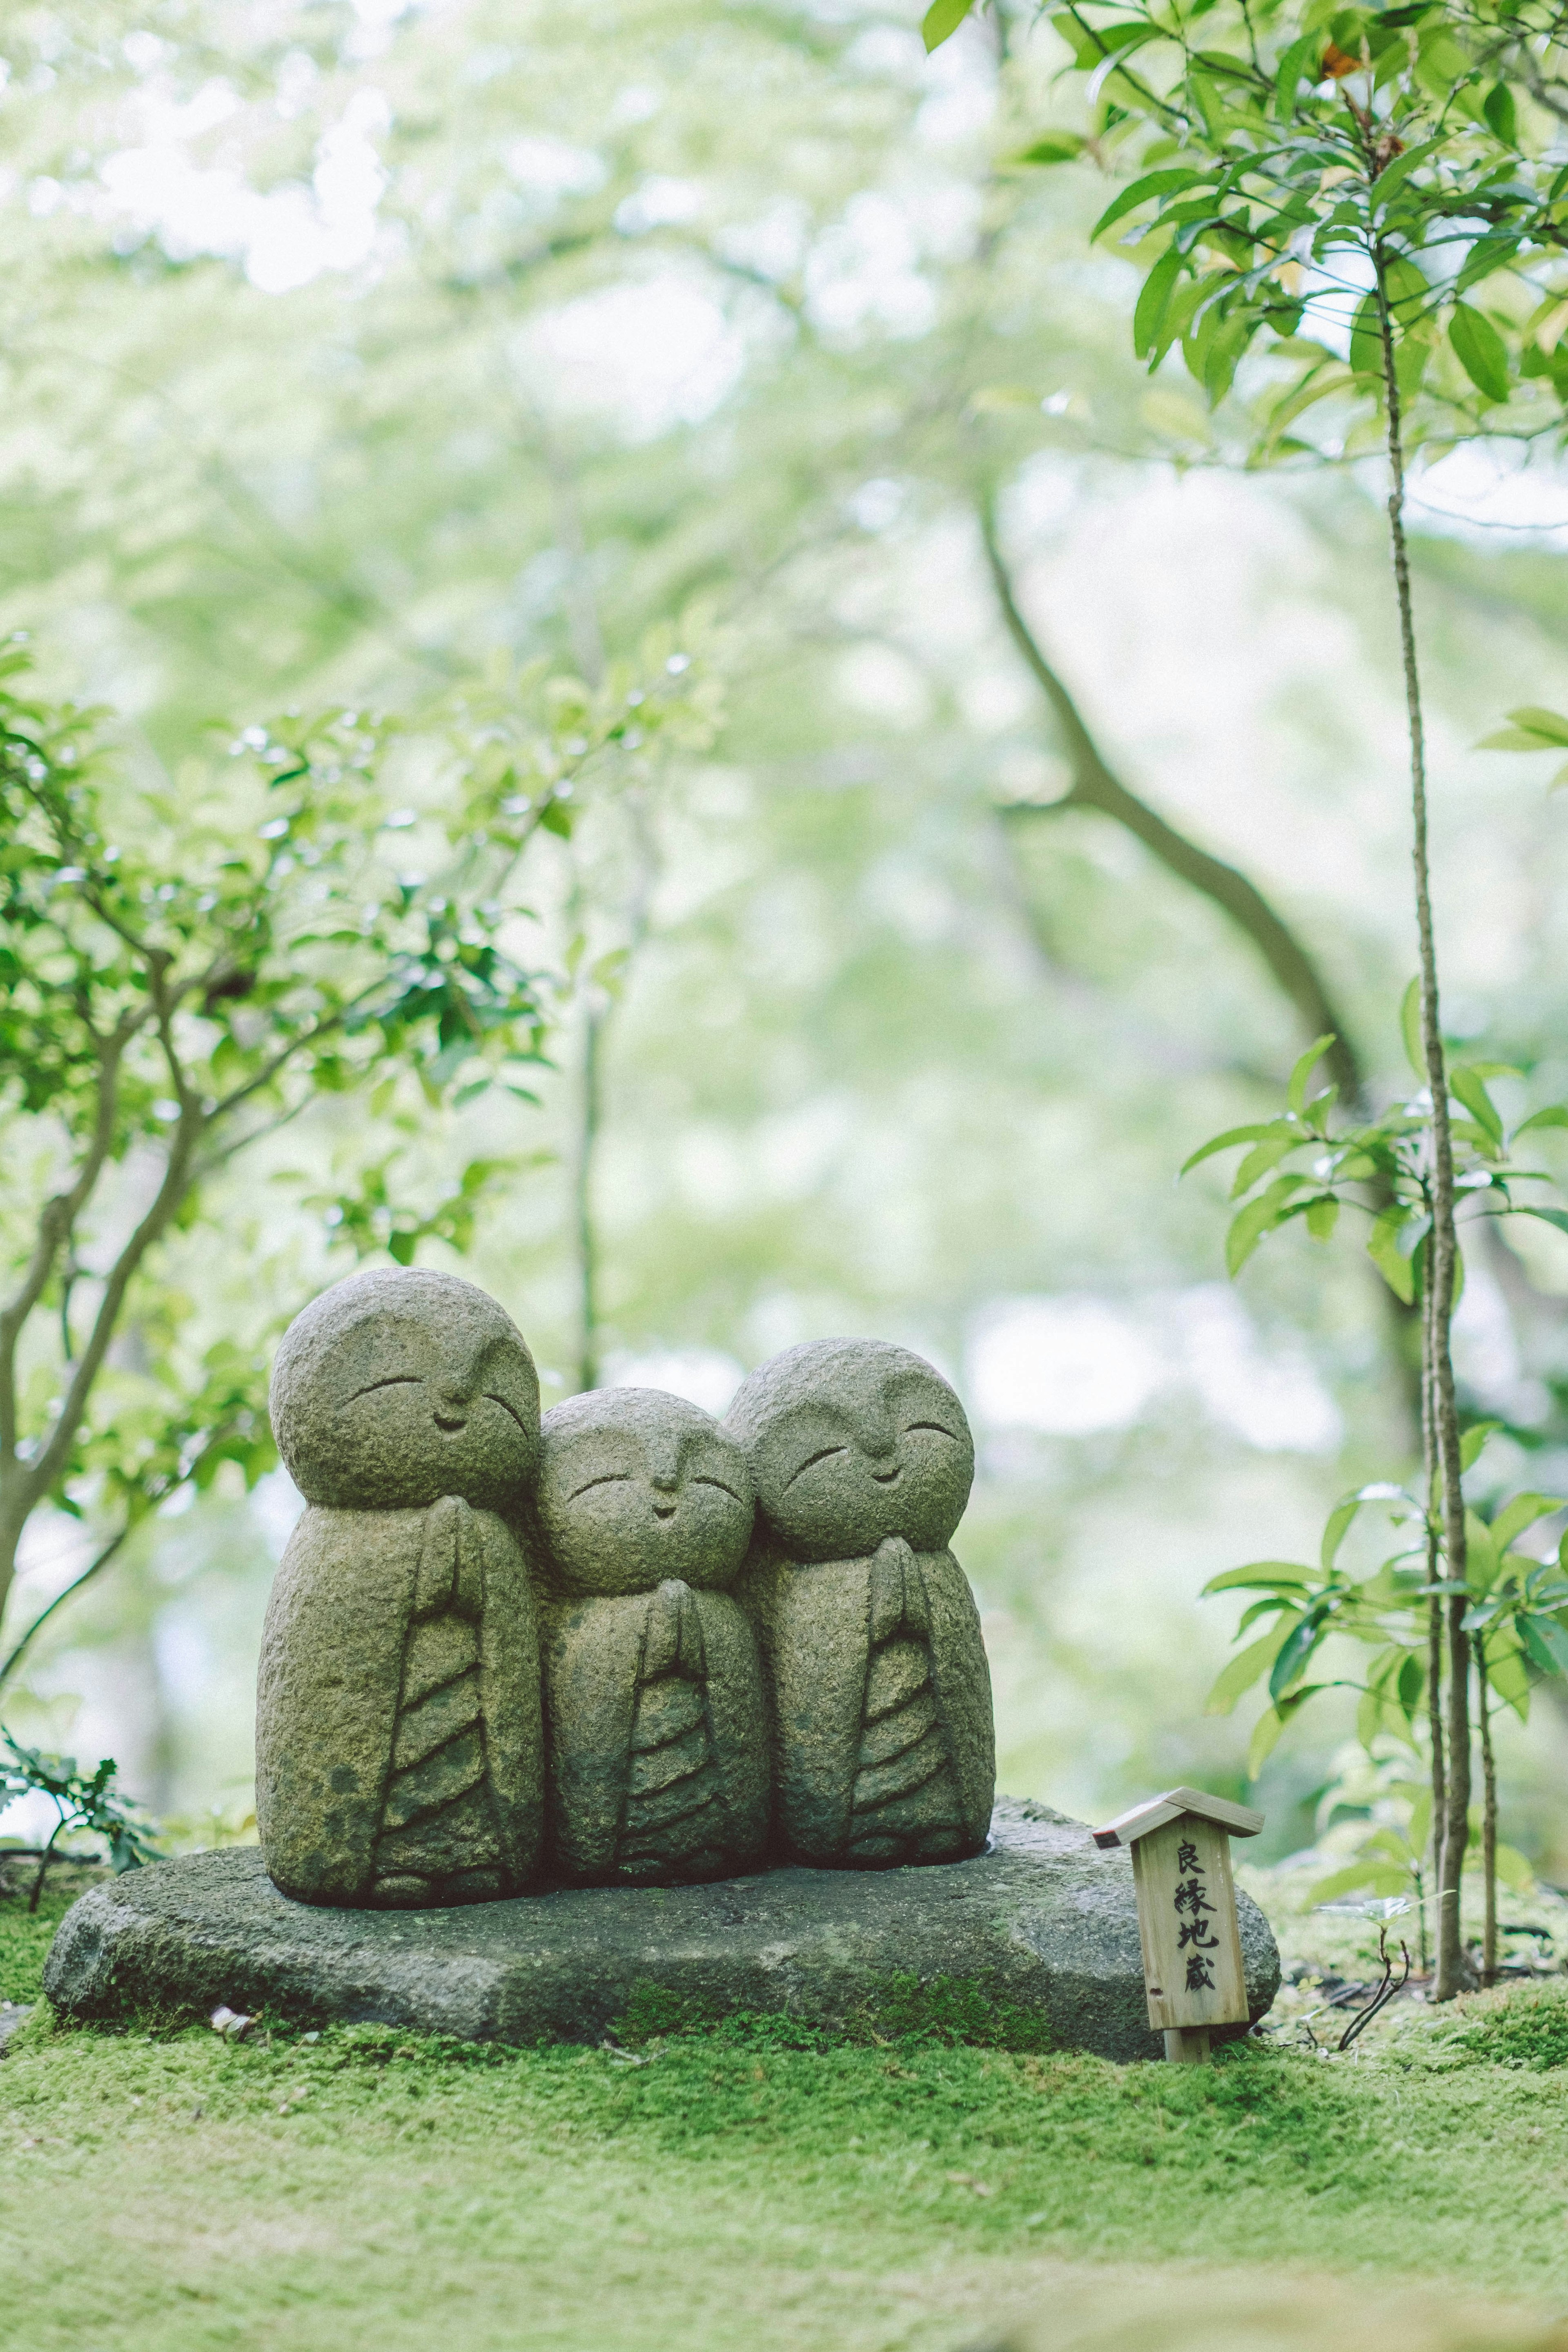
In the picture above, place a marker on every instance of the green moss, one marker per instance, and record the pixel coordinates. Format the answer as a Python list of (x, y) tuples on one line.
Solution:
[(1525, 2026), (729, 2183), (949, 2011), (25, 1938)]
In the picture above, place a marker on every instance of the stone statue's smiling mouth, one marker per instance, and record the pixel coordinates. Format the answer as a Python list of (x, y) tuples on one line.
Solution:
[(449, 1421), (885, 1477), (664, 1510)]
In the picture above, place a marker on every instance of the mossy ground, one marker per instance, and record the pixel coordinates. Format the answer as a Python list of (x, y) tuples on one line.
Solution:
[(732, 2189)]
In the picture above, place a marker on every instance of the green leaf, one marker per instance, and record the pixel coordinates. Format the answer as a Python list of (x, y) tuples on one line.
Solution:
[(1322, 1216), (1558, 1217), (1265, 1731), (1531, 729), (1296, 1091), (1300, 62), (1474, 1438), (1259, 1217), (1262, 1158), (1546, 1642), (1469, 1089), (1243, 1670), (1480, 351), (1482, 1561), (1295, 1649), (1410, 1028), (1259, 1576), (1153, 302), (1509, 1677), (1232, 1135), (1345, 1511), (1055, 147), (1554, 1114), (1396, 1269), (941, 20), (1140, 192), (1499, 110), (1265, 1738), (1521, 1513)]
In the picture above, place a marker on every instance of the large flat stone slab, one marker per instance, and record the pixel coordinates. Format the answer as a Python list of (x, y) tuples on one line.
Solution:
[(1042, 1920)]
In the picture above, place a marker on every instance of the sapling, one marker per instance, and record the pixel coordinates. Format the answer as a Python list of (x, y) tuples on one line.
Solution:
[(1367, 211)]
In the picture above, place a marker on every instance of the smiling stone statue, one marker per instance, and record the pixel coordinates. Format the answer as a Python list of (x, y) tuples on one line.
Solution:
[(658, 1760), (884, 1750), (398, 1738)]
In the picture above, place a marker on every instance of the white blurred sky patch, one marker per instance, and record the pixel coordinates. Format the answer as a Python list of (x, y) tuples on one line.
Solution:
[(1495, 492), (703, 1376), (649, 354), (863, 272), (554, 167), (283, 238), (1070, 1365)]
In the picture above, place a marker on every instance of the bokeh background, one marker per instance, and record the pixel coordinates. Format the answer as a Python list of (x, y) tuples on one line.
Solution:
[(357, 352)]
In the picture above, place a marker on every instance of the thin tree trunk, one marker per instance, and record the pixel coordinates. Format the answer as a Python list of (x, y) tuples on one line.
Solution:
[(1488, 1817), (10, 1536), (1434, 1605), (590, 1110), (1443, 1250)]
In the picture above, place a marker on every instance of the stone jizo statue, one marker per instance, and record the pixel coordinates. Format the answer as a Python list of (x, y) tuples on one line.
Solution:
[(879, 1693), (399, 1742), (656, 1730)]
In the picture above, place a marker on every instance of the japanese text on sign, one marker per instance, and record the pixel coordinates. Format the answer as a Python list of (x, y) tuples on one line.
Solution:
[(1194, 1935)]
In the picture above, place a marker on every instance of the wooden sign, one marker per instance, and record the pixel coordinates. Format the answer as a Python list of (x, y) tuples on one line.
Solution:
[(1193, 1973)]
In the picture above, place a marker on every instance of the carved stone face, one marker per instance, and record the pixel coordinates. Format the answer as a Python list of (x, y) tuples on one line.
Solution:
[(636, 1486), (851, 1441), (397, 1387)]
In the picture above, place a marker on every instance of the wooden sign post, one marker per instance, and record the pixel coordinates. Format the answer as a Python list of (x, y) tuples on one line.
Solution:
[(1186, 1913)]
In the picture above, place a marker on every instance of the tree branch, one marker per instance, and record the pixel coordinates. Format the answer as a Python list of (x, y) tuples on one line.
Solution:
[(1094, 786), (99, 1562), (50, 1461), (56, 1221)]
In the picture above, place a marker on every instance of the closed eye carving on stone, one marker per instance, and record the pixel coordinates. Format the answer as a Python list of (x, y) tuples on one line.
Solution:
[(393, 1380), (491, 1398), (605, 1478), (701, 1480), (935, 1426), (810, 1463)]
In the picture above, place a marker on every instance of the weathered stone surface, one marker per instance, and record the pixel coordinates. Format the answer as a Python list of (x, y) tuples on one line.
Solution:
[(636, 1486), (399, 1740), (399, 1386), (399, 1737), (1042, 1919), (658, 1755), (880, 1694)]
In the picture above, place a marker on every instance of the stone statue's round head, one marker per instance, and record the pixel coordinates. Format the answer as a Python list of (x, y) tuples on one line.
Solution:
[(397, 1387), (636, 1486), (851, 1441)]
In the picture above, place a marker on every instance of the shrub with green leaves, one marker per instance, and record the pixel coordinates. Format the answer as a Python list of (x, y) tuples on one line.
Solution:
[(187, 964)]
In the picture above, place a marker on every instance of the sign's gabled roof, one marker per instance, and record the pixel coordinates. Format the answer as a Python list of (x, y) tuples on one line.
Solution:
[(1128, 1828)]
